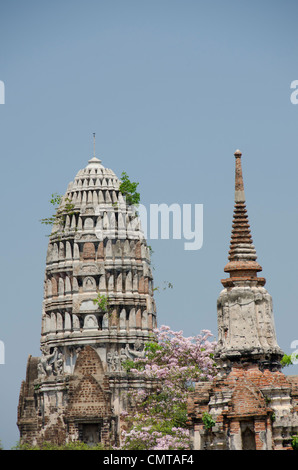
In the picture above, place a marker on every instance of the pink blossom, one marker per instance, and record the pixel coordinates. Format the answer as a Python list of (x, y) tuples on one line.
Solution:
[(175, 363)]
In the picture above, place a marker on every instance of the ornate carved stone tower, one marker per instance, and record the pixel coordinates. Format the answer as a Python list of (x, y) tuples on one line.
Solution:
[(253, 405), (77, 388)]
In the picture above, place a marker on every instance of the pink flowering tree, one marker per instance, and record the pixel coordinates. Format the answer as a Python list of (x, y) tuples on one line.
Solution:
[(173, 363)]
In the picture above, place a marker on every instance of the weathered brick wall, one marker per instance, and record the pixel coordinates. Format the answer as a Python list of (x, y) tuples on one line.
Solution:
[(27, 416), (89, 387), (89, 397), (267, 400), (88, 251)]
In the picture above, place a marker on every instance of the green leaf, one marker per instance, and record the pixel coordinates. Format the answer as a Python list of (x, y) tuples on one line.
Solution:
[(129, 190)]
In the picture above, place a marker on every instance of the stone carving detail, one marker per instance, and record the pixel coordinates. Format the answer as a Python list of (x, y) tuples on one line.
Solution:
[(90, 322), (114, 363), (50, 363), (115, 360), (89, 284), (138, 350)]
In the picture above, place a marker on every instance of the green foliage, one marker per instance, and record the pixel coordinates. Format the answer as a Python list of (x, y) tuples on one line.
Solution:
[(128, 365), (295, 442), (76, 445), (287, 360), (180, 415), (150, 250), (102, 301), (166, 285), (267, 399), (151, 348), (208, 421), (56, 200), (58, 218), (129, 190)]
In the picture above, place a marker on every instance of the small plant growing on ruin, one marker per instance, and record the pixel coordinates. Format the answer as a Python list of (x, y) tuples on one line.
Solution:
[(267, 400), (129, 190), (58, 218), (102, 301), (287, 360), (208, 421)]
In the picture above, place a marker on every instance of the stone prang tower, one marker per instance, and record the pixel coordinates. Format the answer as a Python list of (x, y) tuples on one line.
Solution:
[(78, 387), (251, 404)]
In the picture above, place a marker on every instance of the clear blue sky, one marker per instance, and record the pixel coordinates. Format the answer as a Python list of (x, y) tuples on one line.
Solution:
[(172, 88)]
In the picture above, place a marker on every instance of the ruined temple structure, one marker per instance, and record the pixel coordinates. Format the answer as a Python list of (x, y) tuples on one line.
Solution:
[(78, 387), (253, 405)]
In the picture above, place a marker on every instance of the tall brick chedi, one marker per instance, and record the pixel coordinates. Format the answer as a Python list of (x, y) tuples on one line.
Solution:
[(252, 404), (78, 387)]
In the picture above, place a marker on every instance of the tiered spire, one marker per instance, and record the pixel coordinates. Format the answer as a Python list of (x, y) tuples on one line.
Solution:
[(246, 332), (242, 264)]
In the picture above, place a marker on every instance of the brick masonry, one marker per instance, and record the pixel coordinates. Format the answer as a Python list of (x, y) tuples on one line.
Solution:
[(246, 398)]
